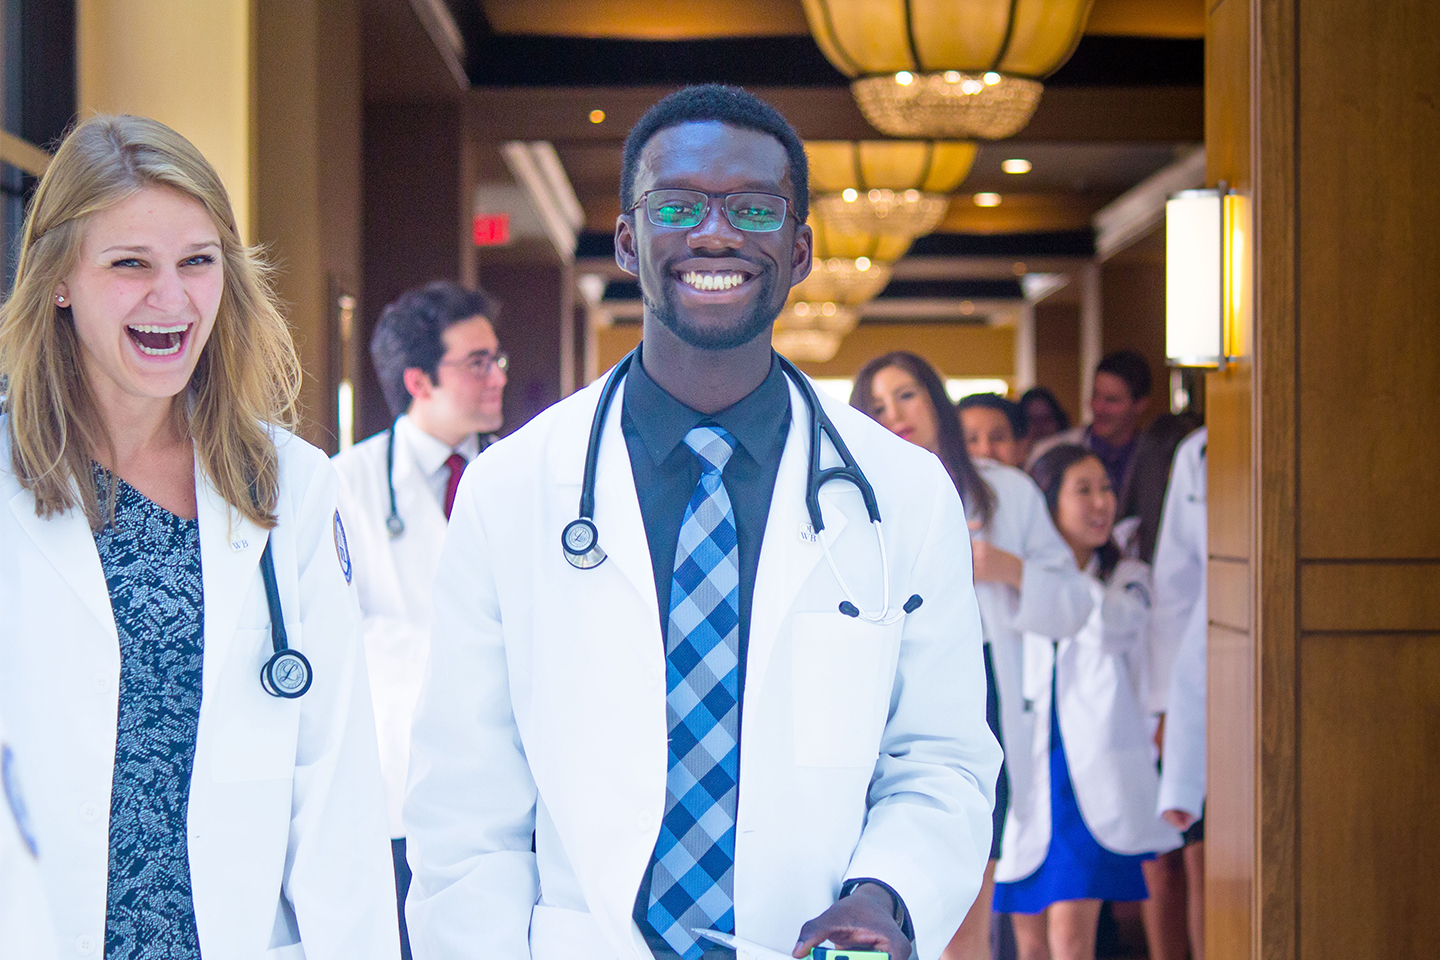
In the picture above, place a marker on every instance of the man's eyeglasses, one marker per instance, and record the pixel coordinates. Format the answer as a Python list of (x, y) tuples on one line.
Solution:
[(479, 365), (751, 212)]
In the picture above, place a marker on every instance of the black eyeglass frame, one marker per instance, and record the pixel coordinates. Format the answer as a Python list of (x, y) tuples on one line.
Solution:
[(705, 211)]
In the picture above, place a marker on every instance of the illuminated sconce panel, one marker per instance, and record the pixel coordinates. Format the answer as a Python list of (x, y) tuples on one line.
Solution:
[(1194, 267)]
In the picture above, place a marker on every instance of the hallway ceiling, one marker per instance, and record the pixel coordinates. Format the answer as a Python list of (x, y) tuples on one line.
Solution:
[(1127, 103)]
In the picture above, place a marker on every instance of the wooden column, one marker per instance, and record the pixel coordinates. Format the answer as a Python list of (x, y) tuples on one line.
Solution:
[(1324, 479)]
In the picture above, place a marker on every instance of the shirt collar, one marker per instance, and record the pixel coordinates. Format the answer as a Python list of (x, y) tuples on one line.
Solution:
[(429, 453), (755, 421)]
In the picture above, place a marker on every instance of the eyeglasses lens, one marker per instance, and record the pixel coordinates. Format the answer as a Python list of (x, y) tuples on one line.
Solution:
[(752, 212)]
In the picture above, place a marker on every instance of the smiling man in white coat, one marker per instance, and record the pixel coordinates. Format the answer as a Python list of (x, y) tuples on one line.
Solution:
[(440, 365), (721, 713)]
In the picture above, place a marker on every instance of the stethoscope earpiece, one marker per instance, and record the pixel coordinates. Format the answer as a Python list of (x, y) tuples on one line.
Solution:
[(581, 542), (286, 674)]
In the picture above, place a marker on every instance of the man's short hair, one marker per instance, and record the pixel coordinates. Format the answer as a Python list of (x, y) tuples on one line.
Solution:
[(718, 103), (1130, 367), (410, 329), (993, 401)]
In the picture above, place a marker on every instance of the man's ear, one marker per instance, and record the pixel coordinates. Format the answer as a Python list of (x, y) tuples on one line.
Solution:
[(1141, 405), (802, 253), (418, 383), (625, 254)]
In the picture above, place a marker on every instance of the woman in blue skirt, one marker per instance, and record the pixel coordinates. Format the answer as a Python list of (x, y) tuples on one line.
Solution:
[(1082, 814)]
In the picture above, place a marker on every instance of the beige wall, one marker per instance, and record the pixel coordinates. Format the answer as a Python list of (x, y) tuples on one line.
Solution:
[(186, 63)]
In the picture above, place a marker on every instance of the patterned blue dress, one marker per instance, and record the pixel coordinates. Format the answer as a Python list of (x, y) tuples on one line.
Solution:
[(151, 560)]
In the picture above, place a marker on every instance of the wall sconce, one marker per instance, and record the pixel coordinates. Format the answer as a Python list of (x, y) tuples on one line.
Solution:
[(1207, 269)]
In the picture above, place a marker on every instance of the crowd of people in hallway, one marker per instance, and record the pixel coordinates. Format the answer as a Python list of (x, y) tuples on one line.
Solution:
[(699, 663)]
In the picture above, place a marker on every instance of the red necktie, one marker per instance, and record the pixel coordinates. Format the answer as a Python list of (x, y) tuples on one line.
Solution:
[(456, 463)]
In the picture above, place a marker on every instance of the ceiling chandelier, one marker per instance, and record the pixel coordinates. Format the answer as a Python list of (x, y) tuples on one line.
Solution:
[(850, 266), (886, 186), (812, 331), (947, 68)]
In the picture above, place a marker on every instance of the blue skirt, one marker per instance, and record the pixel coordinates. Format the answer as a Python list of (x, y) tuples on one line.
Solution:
[(1076, 866)]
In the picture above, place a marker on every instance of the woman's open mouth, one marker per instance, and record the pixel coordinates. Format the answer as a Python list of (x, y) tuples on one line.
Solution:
[(158, 341)]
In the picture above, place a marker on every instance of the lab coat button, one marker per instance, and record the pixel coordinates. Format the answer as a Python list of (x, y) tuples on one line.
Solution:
[(101, 683), (645, 820), (89, 812), (85, 945), (653, 676)]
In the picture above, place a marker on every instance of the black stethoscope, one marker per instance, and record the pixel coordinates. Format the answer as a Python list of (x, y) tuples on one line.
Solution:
[(580, 539), (287, 674), (393, 523)]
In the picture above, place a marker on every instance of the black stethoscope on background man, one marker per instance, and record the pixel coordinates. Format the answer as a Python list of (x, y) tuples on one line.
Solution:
[(393, 523), (581, 540)]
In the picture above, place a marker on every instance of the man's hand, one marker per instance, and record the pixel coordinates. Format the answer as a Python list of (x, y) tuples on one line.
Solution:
[(865, 920), (993, 564), (1179, 819)]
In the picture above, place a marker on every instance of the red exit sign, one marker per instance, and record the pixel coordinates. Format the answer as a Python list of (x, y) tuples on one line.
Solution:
[(492, 229)]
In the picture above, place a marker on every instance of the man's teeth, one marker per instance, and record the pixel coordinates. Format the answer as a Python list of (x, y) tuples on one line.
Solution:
[(712, 281)]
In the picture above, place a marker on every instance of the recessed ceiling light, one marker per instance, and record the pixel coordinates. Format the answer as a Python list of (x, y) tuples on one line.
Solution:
[(987, 199), (597, 116), (1015, 165)]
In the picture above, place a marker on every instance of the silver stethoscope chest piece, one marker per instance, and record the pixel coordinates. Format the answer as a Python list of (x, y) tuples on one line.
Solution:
[(287, 674), (582, 544), (394, 525)]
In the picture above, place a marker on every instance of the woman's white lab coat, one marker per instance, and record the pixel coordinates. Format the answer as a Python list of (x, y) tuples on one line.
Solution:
[(287, 842), (1054, 598), (25, 929), (1106, 743)]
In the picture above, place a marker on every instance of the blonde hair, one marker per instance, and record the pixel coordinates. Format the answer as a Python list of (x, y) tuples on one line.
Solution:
[(247, 378)]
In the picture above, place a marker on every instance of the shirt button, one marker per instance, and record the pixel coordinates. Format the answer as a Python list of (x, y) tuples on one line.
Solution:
[(85, 945), (89, 812)]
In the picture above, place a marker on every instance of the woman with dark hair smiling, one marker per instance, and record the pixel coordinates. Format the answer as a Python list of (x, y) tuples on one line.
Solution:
[(1080, 827), (1025, 576)]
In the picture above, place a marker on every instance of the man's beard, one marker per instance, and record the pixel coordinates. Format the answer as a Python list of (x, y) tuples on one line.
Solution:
[(752, 324)]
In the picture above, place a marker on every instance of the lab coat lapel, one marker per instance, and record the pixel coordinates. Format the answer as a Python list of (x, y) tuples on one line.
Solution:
[(789, 551), (68, 543), (230, 549), (422, 513)]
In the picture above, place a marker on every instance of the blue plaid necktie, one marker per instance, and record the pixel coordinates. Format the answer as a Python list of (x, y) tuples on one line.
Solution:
[(692, 880)]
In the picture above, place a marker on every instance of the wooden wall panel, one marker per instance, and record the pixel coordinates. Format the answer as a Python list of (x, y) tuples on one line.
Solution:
[(1230, 584), (1057, 345), (1229, 461), (1369, 793), (1369, 293), (1230, 806), (1132, 308), (1342, 597)]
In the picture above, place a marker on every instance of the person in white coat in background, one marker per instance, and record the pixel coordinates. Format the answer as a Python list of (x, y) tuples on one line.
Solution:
[(1083, 821), (443, 373), (1181, 620), (25, 926), (180, 656), (1025, 574), (653, 705)]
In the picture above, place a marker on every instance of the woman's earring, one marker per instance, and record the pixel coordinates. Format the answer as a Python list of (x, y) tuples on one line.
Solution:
[(59, 300)]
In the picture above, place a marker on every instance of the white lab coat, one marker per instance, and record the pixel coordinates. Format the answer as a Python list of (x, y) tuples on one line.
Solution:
[(864, 749), (286, 815), (1054, 598), (393, 580), (25, 930), (1106, 742), (1179, 563), (1180, 559)]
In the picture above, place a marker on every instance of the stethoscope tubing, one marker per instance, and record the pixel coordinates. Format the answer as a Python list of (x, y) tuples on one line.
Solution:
[(580, 539)]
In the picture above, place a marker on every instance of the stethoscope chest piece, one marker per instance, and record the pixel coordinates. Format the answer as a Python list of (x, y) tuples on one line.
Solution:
[(395, 525), (287, 674), (581, 543)]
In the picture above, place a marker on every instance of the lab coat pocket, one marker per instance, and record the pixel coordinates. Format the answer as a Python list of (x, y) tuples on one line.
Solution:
[(256, 733), (841, 673)]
